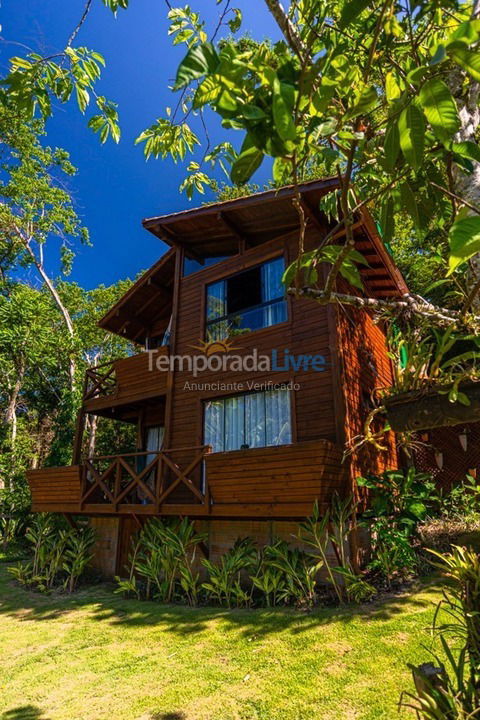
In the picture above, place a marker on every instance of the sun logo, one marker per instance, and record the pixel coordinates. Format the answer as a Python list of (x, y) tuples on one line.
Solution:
[(215, 347)]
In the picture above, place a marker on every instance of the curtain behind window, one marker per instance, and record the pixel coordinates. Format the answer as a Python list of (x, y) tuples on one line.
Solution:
[(214, 425), (277, 411), (273, 289), (255, 419)]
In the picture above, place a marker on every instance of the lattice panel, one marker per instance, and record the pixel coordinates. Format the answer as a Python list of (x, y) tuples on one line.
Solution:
[(457, 462)]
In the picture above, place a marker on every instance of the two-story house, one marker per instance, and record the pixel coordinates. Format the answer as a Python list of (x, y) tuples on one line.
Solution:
[(245, 397)]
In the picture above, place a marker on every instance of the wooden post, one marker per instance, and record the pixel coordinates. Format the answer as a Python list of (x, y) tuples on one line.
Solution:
[(173, 344), (77, 443)]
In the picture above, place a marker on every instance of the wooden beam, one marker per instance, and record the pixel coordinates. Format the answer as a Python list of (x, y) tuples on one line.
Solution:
[(181, 244), (312, 215), (243, 241)]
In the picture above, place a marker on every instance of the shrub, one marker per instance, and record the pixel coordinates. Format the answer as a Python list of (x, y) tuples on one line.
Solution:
[(59, 555), (164, 555), (398, 502), (453, 693), (462, 502), (224, 583)]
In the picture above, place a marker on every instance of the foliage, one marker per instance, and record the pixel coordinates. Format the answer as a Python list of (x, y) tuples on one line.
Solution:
[(287, 574), (398, 502), (454, 692), (332, 530), (462, 501), (59, 555), (164, 556), (224, 578)]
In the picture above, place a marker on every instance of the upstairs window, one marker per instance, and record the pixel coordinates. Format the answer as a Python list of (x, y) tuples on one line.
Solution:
[(250, 300), (247, 421)]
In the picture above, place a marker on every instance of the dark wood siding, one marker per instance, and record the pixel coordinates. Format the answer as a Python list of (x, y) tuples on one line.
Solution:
[(55, 489), (306, 331), (366, 368)]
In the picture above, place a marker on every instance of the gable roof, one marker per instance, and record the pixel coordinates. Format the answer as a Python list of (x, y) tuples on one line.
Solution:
[(216, 229)]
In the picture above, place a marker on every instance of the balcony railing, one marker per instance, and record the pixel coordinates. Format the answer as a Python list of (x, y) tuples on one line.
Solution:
[(100, 381), (124, 380), (145, 479)]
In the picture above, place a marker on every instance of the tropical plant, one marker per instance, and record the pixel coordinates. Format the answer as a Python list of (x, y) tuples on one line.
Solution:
[(224, 584), (462, 501), (298, 571), (164, 555), (453, 693), (398, 502), (60, 555), (76, 555), (331, 532)]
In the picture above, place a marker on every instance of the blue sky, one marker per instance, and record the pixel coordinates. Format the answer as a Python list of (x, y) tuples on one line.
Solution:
[(115, 187)]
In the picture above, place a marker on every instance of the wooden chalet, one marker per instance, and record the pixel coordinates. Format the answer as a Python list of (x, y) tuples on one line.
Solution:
[(242, 451)]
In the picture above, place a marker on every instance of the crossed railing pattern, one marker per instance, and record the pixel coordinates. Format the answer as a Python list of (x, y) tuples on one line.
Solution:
[(143, 478), (100, 381)]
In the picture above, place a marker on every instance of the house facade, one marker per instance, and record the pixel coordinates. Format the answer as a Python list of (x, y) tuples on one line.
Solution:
[(243, 397)]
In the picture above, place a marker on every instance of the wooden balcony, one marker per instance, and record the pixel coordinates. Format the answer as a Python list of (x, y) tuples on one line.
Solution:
[(143, 483), (281, 482), (123, 381)]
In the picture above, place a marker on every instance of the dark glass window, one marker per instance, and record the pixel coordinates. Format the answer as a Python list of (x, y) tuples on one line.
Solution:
[(250, 300)]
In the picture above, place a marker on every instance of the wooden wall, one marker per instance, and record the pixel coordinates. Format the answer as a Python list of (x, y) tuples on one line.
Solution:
[(306, 331), (364, 368), (55, 489), (293, 475)]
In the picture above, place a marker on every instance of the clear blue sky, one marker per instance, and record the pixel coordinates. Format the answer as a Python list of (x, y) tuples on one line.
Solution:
[(115, 187)]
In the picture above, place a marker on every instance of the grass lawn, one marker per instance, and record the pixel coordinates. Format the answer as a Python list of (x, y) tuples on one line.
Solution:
[(97, 656)]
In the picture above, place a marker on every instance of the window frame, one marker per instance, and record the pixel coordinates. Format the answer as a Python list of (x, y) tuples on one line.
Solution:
[(285, 299)]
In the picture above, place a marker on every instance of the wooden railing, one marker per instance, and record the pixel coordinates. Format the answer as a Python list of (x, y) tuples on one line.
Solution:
[(100, 381), (145, 478)]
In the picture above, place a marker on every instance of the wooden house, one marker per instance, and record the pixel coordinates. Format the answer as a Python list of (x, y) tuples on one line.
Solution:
[(243, 397)]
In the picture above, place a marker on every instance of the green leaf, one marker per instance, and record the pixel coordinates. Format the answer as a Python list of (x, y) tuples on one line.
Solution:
[(439, 108), (409, 202), (467, 149), (411, 127), (351, 10), (199, 60), (468, 60), (245, 165), (282, 116), (387, 221), (208, 91), (464, 239), (392, 145), (392, 89)]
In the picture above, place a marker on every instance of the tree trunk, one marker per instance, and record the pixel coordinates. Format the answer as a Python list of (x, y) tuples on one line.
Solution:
[(92, 435), (11, 411), (58, 301)]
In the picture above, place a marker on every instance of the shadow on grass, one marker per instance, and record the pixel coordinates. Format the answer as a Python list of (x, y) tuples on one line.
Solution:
[(23, 712), (168, 716), (104, 606)]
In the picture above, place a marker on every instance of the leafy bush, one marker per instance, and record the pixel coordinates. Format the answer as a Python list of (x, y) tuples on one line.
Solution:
[(14, 513), (295, 572), (333, 530), (164, 556), (453, 693), (59, 555), (224, 583), (462, 502), (399, 501)]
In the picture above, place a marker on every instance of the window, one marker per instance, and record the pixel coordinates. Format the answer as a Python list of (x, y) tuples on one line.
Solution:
[(252, 420), (251, 300), (190, 265)]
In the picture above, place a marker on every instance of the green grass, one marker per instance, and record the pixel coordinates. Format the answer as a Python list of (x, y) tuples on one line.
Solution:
[(95, 656)]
